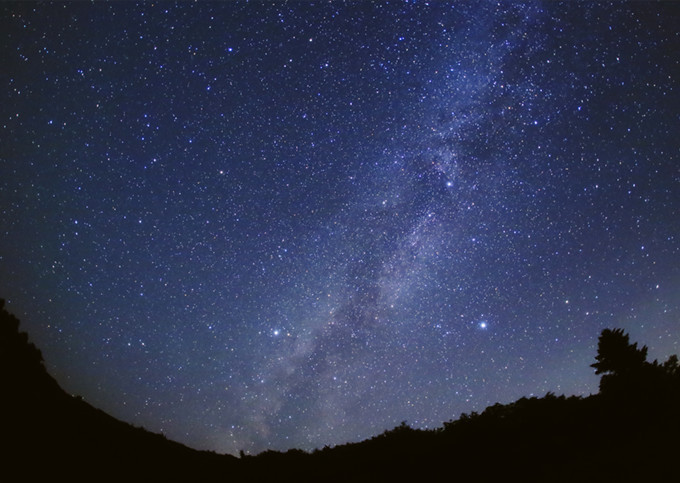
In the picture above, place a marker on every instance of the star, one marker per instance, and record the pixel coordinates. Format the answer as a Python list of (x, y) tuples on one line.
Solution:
[(318, 207)]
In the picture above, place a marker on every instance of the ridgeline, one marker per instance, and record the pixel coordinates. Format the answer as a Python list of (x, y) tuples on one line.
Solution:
[(629, 431)]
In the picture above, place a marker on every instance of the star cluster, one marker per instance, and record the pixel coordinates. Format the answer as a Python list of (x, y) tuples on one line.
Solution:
[(286, 224)]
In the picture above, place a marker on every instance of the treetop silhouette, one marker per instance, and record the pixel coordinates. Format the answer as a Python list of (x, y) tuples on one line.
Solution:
[(625, 369), (616, 355)]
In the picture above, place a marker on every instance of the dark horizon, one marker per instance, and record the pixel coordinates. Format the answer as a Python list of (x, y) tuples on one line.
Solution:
[(633, 418)]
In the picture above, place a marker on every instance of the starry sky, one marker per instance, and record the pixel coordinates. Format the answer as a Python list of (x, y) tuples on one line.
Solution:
[(289, 225)]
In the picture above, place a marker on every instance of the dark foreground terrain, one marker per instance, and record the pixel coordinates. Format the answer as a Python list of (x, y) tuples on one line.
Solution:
[(627, 432)]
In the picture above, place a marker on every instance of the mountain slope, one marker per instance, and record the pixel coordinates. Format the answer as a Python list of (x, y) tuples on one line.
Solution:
[(628, 432), (48, 432)]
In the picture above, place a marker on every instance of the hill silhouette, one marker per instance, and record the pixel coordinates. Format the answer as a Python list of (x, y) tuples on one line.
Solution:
[(627, 432), (48, 433)]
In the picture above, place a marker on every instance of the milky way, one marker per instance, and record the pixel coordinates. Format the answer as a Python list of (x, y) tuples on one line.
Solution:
[(254, 226)]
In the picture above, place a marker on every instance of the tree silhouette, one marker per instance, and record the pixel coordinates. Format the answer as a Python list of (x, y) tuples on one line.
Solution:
[(616, 355), (672, 367), (621, 363), (21, 362), (626, 372)]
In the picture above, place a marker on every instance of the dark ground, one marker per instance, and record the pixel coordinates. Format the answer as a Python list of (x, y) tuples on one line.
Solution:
[(627, 432)]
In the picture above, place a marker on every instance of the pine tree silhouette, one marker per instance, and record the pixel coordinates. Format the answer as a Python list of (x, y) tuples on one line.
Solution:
[(620, 362)]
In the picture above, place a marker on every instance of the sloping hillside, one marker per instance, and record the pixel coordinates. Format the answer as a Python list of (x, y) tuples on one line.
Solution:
[(47, 432), (628, 432)]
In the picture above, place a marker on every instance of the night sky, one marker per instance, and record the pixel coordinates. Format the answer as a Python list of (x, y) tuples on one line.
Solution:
[(279, 225)]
